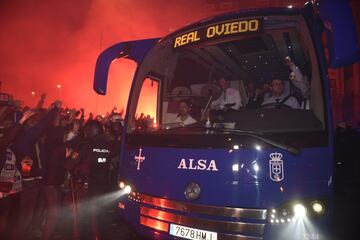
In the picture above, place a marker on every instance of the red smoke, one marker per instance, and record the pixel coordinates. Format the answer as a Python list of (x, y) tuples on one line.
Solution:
[(44, 43)]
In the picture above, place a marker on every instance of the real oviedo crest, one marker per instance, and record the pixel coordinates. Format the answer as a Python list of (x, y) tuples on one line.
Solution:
[(276, 166)]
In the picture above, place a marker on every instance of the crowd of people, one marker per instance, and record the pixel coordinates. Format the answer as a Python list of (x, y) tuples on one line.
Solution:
[(48, 155)]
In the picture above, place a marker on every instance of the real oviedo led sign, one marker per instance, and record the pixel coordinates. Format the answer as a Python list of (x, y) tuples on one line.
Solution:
[(219, 31)]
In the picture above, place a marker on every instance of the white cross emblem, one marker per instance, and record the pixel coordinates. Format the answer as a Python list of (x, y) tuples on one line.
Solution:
[(139, 159)]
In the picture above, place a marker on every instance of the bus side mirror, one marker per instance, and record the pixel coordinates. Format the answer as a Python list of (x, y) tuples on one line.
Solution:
[(134, 50), (340, 29)]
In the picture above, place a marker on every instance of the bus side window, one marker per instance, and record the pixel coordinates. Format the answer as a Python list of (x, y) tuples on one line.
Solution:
[(147, 106)]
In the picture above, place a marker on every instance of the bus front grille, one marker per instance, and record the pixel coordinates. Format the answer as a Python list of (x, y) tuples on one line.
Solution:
[(230, 224)]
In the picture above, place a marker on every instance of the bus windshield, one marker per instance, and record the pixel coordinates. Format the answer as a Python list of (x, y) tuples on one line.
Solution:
[(238, 74)]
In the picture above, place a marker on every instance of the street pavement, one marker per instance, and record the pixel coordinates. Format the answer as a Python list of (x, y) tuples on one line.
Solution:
[(346, 220), (115, 228)]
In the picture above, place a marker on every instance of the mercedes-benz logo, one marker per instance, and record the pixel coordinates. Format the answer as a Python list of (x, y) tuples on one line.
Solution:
[(192, 191)]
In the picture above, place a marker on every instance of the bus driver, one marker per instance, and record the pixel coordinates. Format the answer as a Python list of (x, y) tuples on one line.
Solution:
[(184, 113)]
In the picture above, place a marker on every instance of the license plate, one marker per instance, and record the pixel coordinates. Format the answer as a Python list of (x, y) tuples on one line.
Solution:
[(191, 233)]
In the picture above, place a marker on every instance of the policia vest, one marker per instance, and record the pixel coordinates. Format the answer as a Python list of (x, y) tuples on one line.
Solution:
[(99, 162)]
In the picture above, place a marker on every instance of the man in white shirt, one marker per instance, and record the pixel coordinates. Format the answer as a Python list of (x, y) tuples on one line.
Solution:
[(229, 99), (297, 78), (279, 97), (183, 113)]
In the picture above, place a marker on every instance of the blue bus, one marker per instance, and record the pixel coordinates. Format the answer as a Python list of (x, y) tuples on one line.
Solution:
[(249, 164)]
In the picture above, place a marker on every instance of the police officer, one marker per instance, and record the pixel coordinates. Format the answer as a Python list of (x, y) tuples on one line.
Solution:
[(94, 163), (116, 128)]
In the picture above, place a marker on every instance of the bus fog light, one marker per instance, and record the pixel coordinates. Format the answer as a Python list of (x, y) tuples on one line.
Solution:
[(318, 207), (299, 210), (284, 212)]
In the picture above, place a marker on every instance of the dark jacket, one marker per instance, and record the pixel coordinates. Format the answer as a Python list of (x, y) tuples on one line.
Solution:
[(55, 169), (94, 161), (25, 144)]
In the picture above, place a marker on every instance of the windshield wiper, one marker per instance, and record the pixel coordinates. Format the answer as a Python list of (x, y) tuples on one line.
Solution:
[(253, 134)]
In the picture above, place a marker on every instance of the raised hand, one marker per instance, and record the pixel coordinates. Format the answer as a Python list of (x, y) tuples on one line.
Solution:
[(26, 116)]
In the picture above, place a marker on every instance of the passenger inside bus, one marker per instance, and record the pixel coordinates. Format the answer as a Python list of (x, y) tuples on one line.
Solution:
[(256, 92), (278, 97), (297, 79), (184, 113), (229, 99)]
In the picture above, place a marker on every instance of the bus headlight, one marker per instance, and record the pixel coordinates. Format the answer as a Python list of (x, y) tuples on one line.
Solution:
[(127, 189), (299, 210), (291, 211), (318, 207), (121, 185)]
